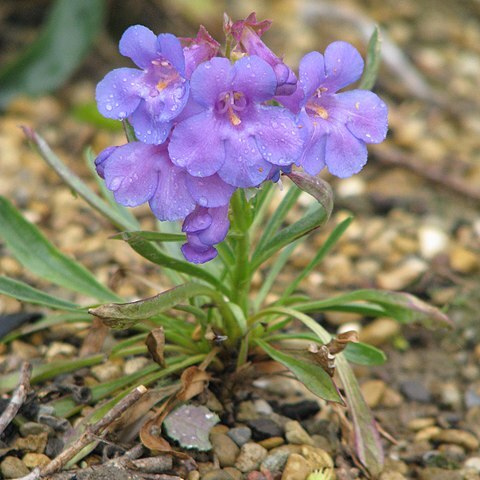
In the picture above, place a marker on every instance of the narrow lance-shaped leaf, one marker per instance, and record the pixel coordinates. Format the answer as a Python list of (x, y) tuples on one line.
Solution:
[(373, 60), (403, 307), (29, 246), (310, 374), (124, 315), (76, 184), (367, 440), (26, 293), (66, 37), (150, 251)]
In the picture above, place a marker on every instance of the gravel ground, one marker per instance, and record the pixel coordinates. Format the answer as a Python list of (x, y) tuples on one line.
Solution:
[(416, 229)]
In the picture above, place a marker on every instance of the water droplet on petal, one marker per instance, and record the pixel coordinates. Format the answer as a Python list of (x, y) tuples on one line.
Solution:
[(202, 201), (115, 183), (108, 107)]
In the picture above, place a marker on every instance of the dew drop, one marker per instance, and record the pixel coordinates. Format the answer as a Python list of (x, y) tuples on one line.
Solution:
[(149, 132), (109, 107), (202, 201), (115, 183)]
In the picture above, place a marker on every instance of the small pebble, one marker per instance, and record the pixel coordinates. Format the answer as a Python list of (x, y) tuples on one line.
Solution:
[(251, 456), (372, 391), (240, 435), (296, 468), (391, 475), (275, 461), (32, 460), (263, 428), (458, 437), (379, 331), (415, 391), (32, 443), (135, 364), (473, 463), (300, 410), (225, 449), (420, 423), (295, 434), (272, 442), (217, 475), (107, 371), (34, 428), (13, 467)]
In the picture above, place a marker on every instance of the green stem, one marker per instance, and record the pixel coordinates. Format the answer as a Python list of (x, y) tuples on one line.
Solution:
[(241, 276)]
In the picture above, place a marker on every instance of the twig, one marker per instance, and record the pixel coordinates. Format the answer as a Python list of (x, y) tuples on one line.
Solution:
[(393, 156), (93, 431), (18, 397)]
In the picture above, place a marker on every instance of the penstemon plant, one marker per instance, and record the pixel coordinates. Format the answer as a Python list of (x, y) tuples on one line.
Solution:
[(210, 133)]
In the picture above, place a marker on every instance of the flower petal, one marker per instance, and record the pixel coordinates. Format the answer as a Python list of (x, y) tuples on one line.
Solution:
[(313, 157), (195, 252), (131, 173), (218, 229), (345, 154), (244, 165), (312, 73), (343, 66), (209, 191), (171, 200), (140, 44), (209, 80), (117, 94), (277, 135), (148, 126), (170, 47), (255, 78), (197, 144), (101, 160), (366, 115)]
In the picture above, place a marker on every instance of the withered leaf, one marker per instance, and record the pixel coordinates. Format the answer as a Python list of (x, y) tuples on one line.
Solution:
[(155, 343)]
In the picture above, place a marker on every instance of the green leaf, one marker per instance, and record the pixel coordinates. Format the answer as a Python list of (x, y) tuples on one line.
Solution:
[(319, 256), (372, 63), (26, 293), (88, 113), (124, 315), (368, 445), (150, 236), (278, 216), (310, 374), (37, 254), (46, 371), (403, 307), (77, 185), (47, 322), (66, 37), (364, 354), (310, 221), (367, 439), (155, 255)]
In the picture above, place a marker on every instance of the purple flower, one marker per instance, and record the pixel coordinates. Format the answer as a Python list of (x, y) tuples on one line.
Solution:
[(152, 97), (199, 49), (137, 173), (336, 126), (234, 134), (204, 227), (247, 34)]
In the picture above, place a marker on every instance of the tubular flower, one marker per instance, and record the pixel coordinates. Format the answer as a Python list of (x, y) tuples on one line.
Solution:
[(337, 126), (204, 227), (234, 134), (247, 34), (152, 96), (137, 173), (199, 49)]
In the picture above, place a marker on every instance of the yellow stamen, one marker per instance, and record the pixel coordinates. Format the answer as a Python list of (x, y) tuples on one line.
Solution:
[(319, 111), (234, 118), (161, 85)]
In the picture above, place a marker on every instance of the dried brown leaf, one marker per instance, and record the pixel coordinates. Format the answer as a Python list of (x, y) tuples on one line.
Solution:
[(155, 343)]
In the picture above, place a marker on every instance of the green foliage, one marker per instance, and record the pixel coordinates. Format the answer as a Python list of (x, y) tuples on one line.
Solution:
[(372, 64), (68, 33)]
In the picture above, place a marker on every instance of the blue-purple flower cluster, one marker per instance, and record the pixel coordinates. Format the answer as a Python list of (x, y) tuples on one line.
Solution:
[(207, 125)]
